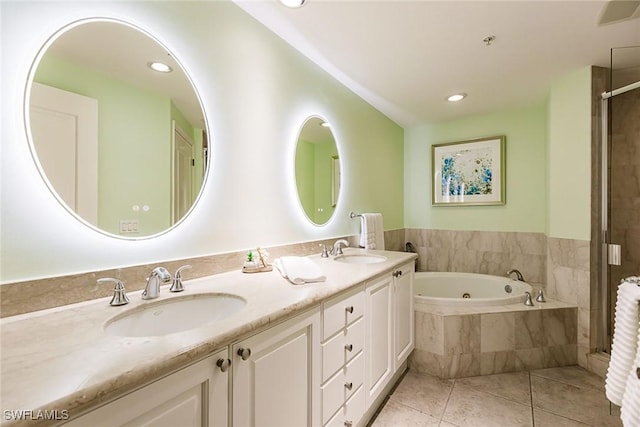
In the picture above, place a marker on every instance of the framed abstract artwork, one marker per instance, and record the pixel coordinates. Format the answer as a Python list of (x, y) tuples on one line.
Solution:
[(469, 172)]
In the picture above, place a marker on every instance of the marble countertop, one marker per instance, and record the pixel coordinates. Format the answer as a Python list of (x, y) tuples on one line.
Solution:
[(62, 359)]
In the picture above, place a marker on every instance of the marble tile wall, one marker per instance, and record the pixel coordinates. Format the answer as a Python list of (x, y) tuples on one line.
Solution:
[(488, 252), (456, 346), (569, 280)]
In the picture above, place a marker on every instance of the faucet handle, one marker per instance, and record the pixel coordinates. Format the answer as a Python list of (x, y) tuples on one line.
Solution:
[(325, 251), (177, 285), (119, 292)]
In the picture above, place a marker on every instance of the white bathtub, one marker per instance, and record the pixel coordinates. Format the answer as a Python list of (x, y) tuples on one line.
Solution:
[(468, 289)]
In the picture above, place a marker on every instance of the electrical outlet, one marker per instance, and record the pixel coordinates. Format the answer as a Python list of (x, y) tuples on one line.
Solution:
[(128, 226)]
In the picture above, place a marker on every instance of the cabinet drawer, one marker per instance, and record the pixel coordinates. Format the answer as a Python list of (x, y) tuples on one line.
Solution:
[(341, 348), (342, 386), (351, 413), (342, 311)]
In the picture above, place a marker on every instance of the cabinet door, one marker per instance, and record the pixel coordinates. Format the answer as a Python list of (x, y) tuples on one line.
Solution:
[(378, 337), (276, 375), (404, 315), (194, 396)]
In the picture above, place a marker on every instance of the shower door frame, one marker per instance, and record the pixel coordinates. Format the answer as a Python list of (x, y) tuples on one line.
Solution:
[(606, 332)]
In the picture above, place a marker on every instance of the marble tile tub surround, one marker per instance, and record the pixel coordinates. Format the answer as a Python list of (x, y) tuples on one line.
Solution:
[(569, 280), (33, 295), (567, 396), (456, 342), (487, 252), (44, 354)]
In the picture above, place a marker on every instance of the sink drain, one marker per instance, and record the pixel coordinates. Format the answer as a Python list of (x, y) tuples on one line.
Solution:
[(466, 295)]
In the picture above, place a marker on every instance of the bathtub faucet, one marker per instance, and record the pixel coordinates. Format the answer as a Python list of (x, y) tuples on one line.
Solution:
[(518, 274)]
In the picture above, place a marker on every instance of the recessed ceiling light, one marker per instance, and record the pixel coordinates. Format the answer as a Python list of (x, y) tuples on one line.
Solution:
[(293, 3), (160, 67), (456, 97)]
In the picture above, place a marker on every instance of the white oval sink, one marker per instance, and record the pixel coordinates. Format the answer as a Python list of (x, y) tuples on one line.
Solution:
[(360, 258), (174, 315)]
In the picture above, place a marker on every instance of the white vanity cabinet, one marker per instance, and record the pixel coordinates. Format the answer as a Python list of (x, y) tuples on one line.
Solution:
[(276, 375), (343, 359), (194, 396), (389, 335), (379, 340), (404, 314)]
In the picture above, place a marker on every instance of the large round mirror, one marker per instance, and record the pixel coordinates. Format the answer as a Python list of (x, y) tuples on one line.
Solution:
[(317, 167), (117, 128)]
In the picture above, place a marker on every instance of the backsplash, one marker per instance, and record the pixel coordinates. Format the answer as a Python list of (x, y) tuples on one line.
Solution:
[(25, 297)]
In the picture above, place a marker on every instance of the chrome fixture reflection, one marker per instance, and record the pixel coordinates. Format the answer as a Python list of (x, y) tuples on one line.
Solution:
[(518, 274), (119, 292), (177, 285), (337, 247), (159, 274), (527, 299)]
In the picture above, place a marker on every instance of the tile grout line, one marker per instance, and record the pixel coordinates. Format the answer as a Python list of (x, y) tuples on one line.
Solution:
[(446, 403), (533, 417)]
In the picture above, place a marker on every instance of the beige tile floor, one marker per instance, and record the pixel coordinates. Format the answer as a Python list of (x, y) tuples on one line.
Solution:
[(568, 396)]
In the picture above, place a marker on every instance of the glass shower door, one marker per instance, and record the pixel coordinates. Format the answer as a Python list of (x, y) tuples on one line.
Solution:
[(623, 170)]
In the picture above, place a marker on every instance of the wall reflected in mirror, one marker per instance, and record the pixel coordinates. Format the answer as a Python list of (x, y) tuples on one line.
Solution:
[(317, 169), (124, 147)]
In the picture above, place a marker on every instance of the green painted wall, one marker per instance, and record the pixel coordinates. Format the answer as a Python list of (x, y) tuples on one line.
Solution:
[(305, 173), (323, 154), (313, 179), (569, 156), (525, 208)]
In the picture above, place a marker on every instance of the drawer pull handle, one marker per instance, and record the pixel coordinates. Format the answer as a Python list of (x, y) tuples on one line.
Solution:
[(348, 386), (349, 347), (349, 309), (244, 353), (348, 423), (223, 364)]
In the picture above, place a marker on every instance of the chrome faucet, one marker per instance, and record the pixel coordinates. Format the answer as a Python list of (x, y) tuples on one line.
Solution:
[(159, 274), (119, 293), (177, 280), (337, 248), (518, 274)]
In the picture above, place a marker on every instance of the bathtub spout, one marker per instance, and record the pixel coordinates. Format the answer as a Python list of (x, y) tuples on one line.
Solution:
[(518, 274), (409, 247)]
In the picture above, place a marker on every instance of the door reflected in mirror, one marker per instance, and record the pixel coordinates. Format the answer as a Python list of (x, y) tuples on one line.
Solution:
[(317, 168), (123, 146)]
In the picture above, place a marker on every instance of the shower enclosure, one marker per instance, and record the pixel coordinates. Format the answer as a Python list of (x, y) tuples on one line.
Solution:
[(620, 255)]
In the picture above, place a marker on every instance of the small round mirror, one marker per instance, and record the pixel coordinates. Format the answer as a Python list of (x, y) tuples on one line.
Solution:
[(116, 128), (317, 168)]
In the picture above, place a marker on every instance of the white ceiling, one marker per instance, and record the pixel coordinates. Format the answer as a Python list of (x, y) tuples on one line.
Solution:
[(406, 57), (122, 53)]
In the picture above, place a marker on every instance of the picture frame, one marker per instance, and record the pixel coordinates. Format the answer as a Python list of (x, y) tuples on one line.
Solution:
[(470, 172)]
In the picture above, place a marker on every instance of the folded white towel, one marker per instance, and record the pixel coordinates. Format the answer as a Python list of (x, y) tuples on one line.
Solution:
[(372, 231), (625, 341), (630, 410), (299, 270)]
